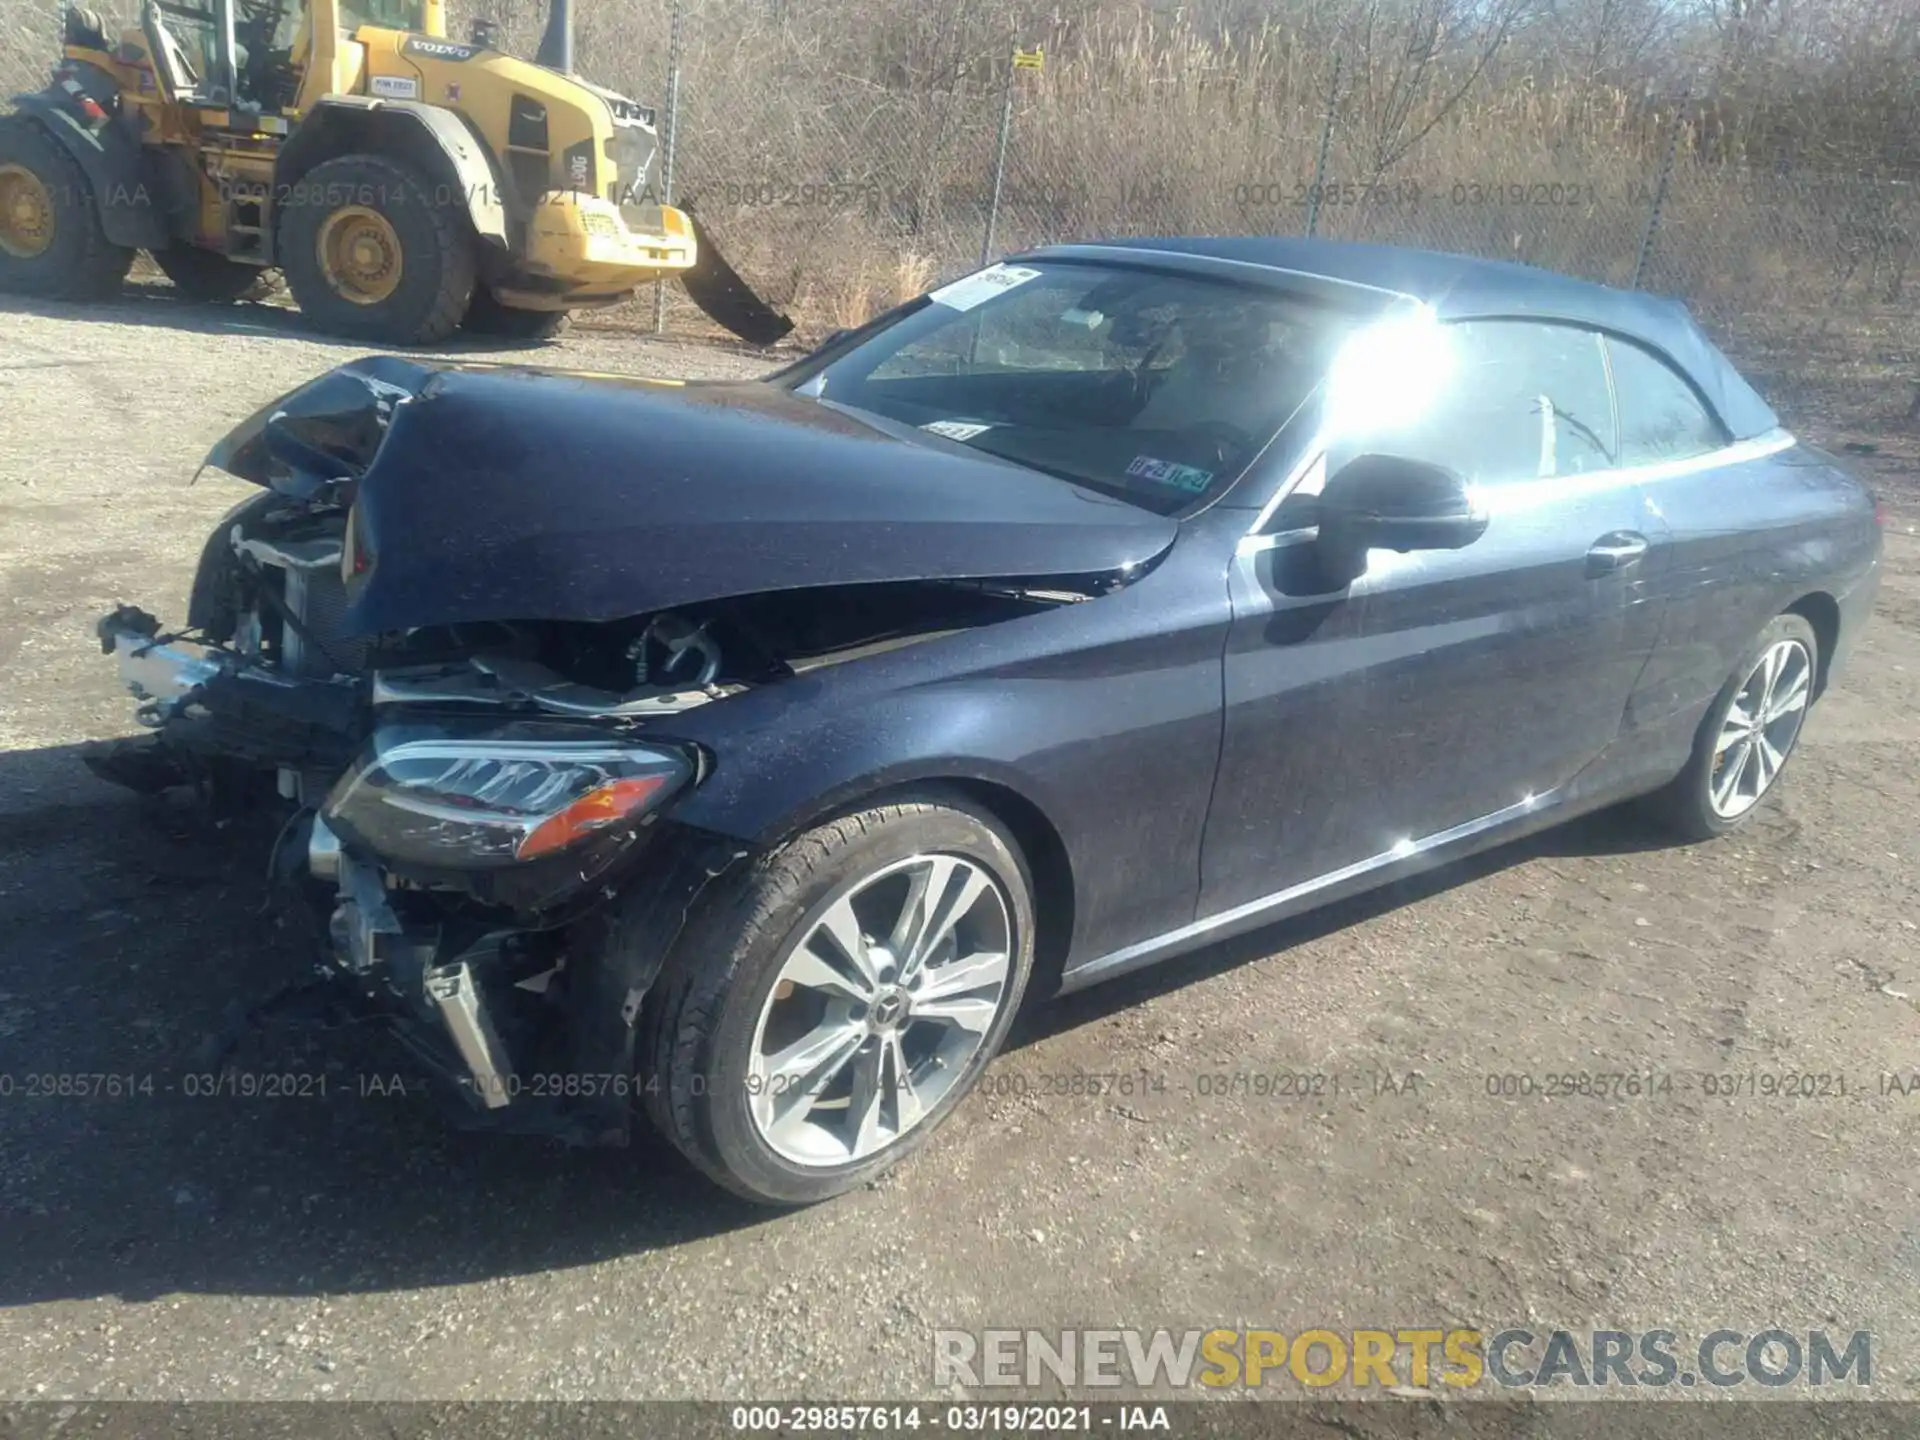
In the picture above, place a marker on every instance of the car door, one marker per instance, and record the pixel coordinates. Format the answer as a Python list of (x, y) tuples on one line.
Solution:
[(1440, 689), (1742, 523)]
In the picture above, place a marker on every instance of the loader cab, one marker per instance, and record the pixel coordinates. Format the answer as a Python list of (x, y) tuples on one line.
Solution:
[(332, 60), (270, 56), (225, 54), (184, 44)]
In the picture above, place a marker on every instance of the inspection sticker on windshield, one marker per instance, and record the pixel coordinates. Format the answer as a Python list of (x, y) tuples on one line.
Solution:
[(956, 429), (1165, 472), (982, 286)]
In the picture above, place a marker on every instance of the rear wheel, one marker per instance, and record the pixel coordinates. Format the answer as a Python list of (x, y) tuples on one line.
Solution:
[(1748, 735), (51, 240), (822, 1014), (488, 316), (368, 254), (203, 276)]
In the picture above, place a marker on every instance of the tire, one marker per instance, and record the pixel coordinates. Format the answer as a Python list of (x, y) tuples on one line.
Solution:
[(52, 244), (488, 317), (1688, 805), (420, 300), (717, 1000), (207, 278)]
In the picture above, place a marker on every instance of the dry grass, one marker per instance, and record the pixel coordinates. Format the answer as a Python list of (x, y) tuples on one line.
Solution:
[(845, 153)]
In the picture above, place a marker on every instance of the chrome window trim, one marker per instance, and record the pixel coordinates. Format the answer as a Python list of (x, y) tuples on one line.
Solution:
[(1613, 387), (1739, 452)]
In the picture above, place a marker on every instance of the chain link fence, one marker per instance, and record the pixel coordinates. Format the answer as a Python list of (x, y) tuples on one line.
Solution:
[(845, 167), (846, 156), (840, 166)]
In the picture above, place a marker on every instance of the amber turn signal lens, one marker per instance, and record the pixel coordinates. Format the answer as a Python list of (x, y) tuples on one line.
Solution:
[(597, 809)]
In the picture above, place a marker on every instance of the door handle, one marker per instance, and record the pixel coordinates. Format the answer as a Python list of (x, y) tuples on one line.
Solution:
[(1615, 550)]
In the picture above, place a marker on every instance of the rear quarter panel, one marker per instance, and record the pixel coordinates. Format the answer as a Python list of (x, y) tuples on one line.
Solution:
[(1744, 542)]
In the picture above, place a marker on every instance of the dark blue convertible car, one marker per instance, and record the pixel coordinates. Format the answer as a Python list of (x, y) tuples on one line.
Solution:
[(743, 753)]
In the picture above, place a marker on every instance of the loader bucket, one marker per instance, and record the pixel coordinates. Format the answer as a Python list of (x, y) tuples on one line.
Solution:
[(716, 287)]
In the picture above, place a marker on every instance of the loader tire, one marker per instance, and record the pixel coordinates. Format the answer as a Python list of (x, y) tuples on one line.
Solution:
[(52, 244), (369, 254), (488, 317), (210, 279)]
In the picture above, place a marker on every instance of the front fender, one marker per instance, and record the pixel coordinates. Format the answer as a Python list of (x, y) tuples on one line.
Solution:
[(436, 142), (1104, 717), (763, 802), (126, 197)]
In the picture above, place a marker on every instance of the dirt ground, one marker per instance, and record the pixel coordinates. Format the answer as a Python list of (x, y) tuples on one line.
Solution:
[(177, 1246)]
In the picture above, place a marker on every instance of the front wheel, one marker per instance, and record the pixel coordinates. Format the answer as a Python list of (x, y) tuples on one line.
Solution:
[(52, 243), (369, 254), (825, 1011), (1748, 735)]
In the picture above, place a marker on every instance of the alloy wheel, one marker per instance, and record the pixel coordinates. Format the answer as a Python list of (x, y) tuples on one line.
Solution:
[(878, 1007), (1760, 728)]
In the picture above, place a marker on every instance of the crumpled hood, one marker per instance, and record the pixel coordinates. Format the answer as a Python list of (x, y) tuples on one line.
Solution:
[(509, 494)]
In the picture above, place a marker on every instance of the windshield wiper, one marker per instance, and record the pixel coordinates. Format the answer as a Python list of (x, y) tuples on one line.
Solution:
[(1086, 482)]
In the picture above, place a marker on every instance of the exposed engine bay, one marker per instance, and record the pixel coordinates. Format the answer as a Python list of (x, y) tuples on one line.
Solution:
[(458, 800), (267, 675)]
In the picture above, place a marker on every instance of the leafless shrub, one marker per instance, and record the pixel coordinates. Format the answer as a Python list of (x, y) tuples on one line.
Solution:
[(843, 151)]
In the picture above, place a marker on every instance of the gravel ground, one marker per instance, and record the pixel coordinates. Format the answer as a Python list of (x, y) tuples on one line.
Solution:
[(169, 1246)]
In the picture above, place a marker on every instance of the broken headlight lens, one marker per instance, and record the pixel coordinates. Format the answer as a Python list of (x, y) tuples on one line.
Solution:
[(451, 803)]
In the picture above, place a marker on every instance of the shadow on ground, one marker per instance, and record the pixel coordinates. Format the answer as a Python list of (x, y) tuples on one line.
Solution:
[(134, 927), (161, 306)]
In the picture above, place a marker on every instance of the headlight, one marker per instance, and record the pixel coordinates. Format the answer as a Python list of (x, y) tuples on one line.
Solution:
[(489, 802)]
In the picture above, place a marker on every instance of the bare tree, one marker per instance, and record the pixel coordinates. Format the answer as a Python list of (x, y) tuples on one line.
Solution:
[(1418, 60), (1606, 42)]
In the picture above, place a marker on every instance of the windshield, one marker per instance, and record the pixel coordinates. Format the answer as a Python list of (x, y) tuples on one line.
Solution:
[(1155, 388), (384, 14)]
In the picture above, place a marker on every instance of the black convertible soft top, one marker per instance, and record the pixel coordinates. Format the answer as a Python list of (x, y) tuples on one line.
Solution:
[(1462, 287)]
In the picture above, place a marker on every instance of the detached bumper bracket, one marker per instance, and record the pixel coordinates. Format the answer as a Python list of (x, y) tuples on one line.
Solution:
[(451, 990)]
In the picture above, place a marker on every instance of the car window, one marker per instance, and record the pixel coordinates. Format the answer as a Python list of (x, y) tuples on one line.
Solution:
[(1569, 380), (1153, 387), (1025, 331), (1661, 417), (1523, 401)]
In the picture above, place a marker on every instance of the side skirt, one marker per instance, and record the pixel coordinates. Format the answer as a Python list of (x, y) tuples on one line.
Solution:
[(1537, 812)]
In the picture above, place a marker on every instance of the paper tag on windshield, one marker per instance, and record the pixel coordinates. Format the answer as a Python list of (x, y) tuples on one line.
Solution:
[(982, 286), (956, 429), (1190, 478)]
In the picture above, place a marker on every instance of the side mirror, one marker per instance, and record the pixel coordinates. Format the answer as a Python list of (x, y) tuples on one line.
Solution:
[(1388, 502)]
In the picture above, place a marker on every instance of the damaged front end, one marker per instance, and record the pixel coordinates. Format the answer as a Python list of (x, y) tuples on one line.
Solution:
[(443, 650)]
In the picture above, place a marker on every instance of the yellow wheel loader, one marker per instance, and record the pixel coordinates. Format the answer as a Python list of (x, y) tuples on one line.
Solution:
[(405, 184)]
